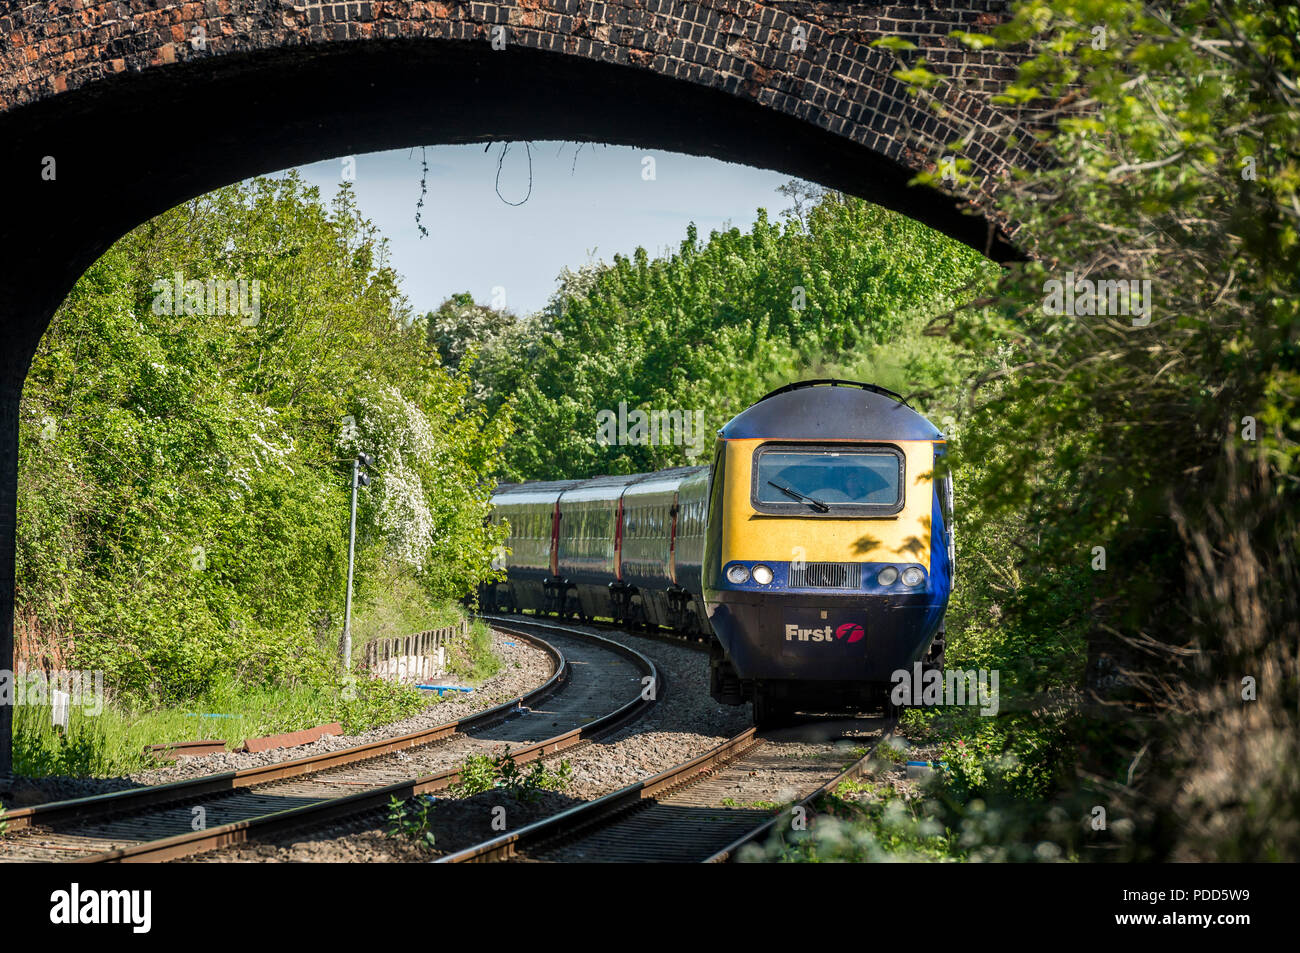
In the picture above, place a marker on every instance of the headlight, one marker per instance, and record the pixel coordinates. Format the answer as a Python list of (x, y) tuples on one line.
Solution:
[(762, 574), (913, 577), (737, 574), (888, 576)]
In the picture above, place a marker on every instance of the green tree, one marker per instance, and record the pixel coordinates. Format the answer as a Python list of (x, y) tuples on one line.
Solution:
[(183, 480), (459, 325), (708, 328), (1169, 137)]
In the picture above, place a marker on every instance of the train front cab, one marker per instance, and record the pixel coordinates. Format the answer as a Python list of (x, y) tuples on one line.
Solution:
[(810, 601)]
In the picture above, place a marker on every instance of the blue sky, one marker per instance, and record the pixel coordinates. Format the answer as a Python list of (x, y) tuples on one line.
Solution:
[(596, 202)]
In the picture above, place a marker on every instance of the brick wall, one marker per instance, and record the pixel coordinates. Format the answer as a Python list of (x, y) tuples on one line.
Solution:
[(810, 60)]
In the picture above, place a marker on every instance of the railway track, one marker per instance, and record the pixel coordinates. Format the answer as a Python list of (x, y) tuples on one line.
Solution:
[(652, 633), (598, 685), (687, 814)]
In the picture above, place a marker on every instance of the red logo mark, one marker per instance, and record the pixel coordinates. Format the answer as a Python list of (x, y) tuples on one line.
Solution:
[(854, 632)]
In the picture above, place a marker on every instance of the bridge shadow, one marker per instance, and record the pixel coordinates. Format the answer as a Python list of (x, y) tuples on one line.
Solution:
[(23, 791)]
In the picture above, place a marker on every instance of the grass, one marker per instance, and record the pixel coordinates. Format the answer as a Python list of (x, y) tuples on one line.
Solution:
[(400, 607), (393, 605), (863, 822), (473, 657), (112, 743), (760, 805)]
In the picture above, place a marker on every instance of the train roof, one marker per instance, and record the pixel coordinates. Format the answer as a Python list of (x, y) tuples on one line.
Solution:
[(540, 491), (601, 487), (592, 488), (830, 410), (662, 481)]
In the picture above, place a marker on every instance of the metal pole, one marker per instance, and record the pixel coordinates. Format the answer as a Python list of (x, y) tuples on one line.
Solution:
[(352, 545)]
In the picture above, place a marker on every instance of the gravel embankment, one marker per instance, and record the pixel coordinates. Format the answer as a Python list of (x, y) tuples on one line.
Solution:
[(523, 667), (684, 723)]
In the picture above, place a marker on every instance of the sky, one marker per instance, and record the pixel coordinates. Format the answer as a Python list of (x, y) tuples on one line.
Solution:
[(587, 203)]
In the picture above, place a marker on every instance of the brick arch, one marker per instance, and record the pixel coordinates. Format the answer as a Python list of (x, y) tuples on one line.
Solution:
[(146, 103)]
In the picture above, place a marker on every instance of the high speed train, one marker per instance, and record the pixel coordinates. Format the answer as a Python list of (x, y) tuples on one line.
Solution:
[(815, 553)]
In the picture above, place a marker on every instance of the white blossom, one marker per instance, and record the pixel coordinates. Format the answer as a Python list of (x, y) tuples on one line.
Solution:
[(401, 438)]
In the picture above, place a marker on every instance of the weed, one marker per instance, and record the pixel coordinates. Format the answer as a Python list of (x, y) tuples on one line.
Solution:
[(410, 819), (472, 657), (883, 825), (477, 774), (483, 773), (850, 787), (890, 752), (756, 805)]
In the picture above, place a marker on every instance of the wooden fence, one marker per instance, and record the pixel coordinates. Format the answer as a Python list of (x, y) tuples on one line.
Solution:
[(410, 658)]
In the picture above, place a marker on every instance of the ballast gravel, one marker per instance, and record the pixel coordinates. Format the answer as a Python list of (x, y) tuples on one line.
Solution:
[(684, 723)]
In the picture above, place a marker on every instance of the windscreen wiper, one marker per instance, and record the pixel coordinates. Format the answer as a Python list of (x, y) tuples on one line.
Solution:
[(810, 500)]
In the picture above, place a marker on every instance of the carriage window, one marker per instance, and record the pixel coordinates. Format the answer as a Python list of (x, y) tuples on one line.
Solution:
[(811, 480)]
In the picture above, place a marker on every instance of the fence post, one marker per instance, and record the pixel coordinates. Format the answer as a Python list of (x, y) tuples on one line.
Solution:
[(420, 647)]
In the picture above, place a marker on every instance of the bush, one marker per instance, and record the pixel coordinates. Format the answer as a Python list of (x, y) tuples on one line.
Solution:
[(183, 493)]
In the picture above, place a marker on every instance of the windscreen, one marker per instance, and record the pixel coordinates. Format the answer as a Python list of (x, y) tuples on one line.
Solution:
[(821, 480)]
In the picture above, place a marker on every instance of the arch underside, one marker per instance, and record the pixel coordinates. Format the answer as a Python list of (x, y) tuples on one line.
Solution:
[(131, 146)]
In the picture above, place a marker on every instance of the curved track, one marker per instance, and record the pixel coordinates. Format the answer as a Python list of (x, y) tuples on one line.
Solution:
[(597, 685), (654, 633)]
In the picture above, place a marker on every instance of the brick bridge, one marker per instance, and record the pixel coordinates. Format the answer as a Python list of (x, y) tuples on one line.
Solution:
[(142, 104)]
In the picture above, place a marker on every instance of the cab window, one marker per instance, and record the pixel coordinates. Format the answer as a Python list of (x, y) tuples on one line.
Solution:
[(836, 480)]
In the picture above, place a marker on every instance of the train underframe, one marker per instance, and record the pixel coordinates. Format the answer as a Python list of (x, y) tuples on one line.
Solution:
[(774, 699), (674, 608), (843, 660)]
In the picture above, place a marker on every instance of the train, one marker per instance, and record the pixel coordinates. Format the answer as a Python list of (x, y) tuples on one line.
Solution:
[(815, 553)]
